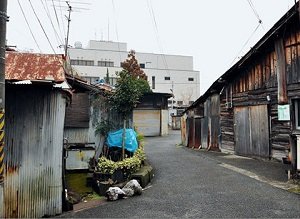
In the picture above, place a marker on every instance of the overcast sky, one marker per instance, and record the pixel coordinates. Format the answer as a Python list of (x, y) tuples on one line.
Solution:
[(213, 32)]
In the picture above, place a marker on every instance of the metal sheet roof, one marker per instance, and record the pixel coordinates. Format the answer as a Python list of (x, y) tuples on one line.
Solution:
[(33, 66)]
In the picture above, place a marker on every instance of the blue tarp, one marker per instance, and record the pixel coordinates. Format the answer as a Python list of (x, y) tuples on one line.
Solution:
[(114, 139)]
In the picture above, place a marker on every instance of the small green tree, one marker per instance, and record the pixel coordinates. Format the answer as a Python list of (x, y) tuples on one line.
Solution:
[(131, 84)]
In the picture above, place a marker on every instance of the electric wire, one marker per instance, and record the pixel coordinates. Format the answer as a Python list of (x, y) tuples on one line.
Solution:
[(244, 45), (255, 12), (41, 26), (62, 18), (116, 29), (29, 26), (152, 15), (58, 39), (57, 20)]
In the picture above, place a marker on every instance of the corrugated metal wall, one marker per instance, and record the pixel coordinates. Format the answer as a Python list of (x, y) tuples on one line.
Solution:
[(197, 142), (34, 143), (191, 132), (183, 130), (147, 121)]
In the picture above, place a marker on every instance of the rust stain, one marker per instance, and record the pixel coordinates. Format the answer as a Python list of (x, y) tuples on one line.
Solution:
[(11, 170), (33, 66)]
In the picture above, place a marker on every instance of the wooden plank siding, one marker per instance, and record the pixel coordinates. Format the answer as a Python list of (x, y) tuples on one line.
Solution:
[(249, 95), (257, 80)]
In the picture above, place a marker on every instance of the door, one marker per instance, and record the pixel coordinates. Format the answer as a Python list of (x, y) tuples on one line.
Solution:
[(241, 130), (252, 131)]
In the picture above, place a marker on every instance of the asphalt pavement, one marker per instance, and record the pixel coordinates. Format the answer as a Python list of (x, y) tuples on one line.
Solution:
[(196, 183)]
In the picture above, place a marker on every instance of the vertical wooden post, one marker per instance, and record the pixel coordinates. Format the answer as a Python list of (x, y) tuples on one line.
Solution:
[(123, 139), (281, 72)]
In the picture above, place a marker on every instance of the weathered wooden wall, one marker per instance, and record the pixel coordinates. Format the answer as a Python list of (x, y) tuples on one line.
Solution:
[(258, 78)]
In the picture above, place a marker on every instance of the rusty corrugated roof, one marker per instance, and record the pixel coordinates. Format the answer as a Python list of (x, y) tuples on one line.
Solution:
[(33, 66)]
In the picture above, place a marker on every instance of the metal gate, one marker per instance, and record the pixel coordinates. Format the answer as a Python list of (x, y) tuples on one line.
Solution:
[(252, 131)]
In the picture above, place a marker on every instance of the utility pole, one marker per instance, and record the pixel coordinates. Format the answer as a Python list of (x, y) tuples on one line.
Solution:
[(68, 30), (3, 20), (172, 106)]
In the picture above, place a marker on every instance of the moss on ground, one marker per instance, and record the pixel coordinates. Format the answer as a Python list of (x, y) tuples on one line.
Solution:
[(295, 190), (77, 184)]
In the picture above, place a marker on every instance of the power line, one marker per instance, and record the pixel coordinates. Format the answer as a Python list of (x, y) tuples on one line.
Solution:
[(61, 16), (42, 26), (247, 41), (255, 12), (29, 26), (116, 25), (151, 11), (58, 39), (57, 20)]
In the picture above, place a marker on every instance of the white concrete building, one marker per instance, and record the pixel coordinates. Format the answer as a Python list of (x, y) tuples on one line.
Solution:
[(166, 73)]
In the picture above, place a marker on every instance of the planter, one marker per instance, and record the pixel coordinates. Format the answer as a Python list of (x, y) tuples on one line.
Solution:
[(102, 176), (103, 187), (118, 176)]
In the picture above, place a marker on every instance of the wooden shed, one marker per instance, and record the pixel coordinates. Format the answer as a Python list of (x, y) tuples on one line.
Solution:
[(253, 108)]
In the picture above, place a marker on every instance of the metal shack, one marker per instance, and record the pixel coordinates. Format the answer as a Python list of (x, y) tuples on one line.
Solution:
[(83, 114), (253, 108), (35, 112), (151, 114)]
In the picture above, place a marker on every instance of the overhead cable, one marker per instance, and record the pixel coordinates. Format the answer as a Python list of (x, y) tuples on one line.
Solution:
[(29, 26), (116, 28), (152, 15), (42, 27), (57, 20), (244, 45), (58, 38), (255, 12)]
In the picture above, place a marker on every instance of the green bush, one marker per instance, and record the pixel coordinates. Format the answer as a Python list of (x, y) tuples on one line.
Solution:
[(129, 165)]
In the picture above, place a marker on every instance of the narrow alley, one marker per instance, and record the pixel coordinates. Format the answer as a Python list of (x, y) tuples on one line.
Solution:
[(188, 183)]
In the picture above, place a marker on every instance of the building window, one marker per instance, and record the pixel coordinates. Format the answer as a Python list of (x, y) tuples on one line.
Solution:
[(112, 80), (106, 63), (91, 80), (82, 62), (191, 79), (167, 78), (170, 101), (297, 114), (142, 65), (180, 102), (153, 82)]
